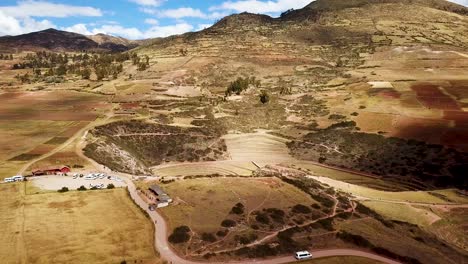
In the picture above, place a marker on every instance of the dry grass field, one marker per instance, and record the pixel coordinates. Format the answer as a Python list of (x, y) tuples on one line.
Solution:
[(74, 227), (35, 123), (341, 260), (204, 203)]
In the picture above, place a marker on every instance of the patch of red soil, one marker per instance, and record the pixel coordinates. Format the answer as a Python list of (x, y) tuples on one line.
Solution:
[(73, 130), (433, 98), (460, 117), (428, 130), (48, 115), (42, 149), (129, 106), (456, 138), (391, 94)]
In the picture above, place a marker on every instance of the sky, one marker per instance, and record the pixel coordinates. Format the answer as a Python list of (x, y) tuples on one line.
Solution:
[(132, 19)]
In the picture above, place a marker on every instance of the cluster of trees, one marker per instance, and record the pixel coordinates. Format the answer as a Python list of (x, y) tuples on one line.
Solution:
[(47, 64), (141, 62), (241, 84), (6, 56)]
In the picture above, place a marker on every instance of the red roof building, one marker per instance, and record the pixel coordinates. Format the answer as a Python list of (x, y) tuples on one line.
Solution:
[(52, 171)]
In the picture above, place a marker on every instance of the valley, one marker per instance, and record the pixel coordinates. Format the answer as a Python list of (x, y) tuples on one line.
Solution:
[(338, 128)]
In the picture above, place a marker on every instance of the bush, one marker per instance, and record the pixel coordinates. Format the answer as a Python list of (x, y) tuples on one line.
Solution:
[(238, 209), (262, 218), (354, 239), (64, 189), (264, 97), (326, 224), (222, 233), (301, 209), (208, 237), (180, 235), (228, 223), (82, 188), (110, 186), (276, 214)]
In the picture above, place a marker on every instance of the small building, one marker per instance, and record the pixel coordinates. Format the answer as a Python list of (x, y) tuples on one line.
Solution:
[(162, 199), (52, 171)]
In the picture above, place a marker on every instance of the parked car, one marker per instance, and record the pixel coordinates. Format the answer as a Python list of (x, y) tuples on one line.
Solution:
[(303, 255)]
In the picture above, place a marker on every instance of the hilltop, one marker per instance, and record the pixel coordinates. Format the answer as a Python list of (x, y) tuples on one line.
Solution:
[(58, 40)]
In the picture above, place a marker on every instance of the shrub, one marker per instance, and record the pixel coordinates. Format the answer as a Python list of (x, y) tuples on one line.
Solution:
[(208, 237), (82, 188), (264, 97), (276, 214), (262, 218), (110, 186), (238, 209), (354, 239), (247, 239), (222, 233), (64, 189), (180, 235), (228, 223), (301, 209)]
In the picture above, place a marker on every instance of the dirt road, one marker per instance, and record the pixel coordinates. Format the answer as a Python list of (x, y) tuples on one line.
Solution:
[(163, 247), (161, 231)]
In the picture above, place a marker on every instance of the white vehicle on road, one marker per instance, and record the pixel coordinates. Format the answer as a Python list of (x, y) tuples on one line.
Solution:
[(14, 179), (303, 255)]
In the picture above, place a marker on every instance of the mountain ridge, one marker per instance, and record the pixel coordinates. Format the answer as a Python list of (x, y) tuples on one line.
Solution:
[(59, 40)]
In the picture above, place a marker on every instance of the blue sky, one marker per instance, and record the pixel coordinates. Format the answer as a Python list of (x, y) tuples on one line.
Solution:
[(134, 19)]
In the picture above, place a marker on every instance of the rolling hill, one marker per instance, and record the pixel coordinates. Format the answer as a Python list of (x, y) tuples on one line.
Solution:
[(57, 40)]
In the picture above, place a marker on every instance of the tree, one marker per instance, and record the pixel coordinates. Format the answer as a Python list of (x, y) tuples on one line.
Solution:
[(110, 186), (86, 73), (264, 97), (61, 70), (64, 189)]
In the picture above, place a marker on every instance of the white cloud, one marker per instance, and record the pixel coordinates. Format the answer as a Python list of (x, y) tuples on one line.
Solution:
[(460, 2), (148, 2), (78, 28), (181, 13), (10, 25), (151, 21), (165, 31), (132, 33), (256, 6), (203, 26), (31, 8)]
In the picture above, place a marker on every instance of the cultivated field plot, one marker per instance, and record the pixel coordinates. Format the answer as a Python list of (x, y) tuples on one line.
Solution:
[(75, 227), (207, 201), (341, 260), (51, 106), (258, 147), (35, 123), (223, 168)]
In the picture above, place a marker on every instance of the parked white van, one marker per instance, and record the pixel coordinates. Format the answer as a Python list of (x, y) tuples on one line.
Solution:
[(90, 177), (18, 178), (303, 255)]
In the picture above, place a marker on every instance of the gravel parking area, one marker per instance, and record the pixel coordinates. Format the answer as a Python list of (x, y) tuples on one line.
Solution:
[(57, 182)]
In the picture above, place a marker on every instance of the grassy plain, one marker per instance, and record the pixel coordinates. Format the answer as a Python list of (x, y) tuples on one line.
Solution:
[(74, 227), (204, 203), (341, 260)]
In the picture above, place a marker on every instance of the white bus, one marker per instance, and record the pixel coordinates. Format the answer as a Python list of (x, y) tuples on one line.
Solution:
[(303, 255), (14, 179)]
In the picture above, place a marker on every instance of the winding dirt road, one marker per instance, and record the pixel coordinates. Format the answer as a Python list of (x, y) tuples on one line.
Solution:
[(163, 247), (161, 244)]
